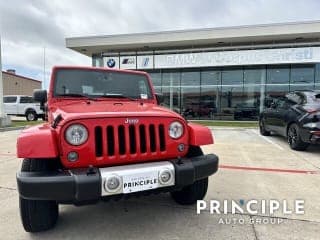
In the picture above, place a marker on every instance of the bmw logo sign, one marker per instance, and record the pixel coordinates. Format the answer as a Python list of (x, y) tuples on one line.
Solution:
[(111, 63)]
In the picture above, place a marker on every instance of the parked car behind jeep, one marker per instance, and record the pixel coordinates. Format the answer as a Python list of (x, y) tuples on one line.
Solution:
[(295, 116), (22, 106)]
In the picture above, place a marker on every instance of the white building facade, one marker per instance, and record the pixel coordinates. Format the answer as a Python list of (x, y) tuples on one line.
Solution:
[(219, 73)]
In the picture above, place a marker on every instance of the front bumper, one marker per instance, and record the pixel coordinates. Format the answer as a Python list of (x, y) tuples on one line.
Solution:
[(315, 138), (86, 185), (310, 135)]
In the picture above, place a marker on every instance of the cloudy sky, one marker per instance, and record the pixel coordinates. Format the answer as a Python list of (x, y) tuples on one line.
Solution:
[(27, 27)]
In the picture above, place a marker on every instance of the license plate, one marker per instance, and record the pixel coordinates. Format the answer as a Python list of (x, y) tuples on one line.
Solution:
[(140, 182)]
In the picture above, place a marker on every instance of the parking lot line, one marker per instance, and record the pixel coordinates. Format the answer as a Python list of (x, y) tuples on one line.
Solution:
[(278, 170), (266, 139)]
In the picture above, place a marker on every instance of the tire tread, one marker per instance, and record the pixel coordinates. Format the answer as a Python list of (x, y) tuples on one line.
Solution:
[(196, 191), (300, 145), (37, 215)]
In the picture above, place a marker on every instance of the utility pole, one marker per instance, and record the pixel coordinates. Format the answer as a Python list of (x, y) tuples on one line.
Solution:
[(4, 119)]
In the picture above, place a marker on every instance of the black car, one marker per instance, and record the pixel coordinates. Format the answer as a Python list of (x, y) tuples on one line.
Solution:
[(295, 116)]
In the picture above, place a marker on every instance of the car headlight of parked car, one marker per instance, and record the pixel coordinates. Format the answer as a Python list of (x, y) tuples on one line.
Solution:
[(76, 134), (175, 130), (311, 125)]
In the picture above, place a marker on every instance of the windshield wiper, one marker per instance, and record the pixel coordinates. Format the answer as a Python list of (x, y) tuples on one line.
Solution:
[(75, 95), (117, 95)]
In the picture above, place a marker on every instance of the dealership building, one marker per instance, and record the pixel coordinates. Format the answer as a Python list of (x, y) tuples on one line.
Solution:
[(223, 73)]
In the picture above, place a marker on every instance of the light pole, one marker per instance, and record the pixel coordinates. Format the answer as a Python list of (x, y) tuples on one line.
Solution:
[(1, 87), (4, 119)]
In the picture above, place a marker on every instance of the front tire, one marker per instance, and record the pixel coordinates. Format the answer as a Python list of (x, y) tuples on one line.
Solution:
[(196, 191), (37, 215), (190, 194), (294, 138)]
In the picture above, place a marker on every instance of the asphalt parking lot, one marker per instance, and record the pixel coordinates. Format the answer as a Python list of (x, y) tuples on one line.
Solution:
[(252, 167)]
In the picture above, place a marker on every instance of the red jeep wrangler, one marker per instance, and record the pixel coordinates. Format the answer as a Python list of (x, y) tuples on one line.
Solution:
[(107, 137)]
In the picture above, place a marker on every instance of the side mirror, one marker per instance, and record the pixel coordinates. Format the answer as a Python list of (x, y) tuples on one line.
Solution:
[(40, 96), (160, 98)]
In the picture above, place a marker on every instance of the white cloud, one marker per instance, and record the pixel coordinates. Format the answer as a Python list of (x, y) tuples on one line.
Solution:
[(26, 27)]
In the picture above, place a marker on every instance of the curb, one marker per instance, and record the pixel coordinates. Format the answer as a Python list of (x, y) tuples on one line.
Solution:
[(11, 129), (230, 128)]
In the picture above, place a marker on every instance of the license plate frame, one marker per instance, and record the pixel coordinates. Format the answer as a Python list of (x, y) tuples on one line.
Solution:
[(137, 172)]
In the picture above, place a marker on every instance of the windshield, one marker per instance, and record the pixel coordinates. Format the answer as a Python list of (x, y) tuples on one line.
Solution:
[(95, 83)]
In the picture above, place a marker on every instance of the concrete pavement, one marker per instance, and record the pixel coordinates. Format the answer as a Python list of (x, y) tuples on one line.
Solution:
[(250, 167)]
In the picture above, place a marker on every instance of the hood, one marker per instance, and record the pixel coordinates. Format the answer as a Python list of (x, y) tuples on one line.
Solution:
[(100, 109)]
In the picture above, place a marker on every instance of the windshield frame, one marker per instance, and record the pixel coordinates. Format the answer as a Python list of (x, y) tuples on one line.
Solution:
[(55, 95)]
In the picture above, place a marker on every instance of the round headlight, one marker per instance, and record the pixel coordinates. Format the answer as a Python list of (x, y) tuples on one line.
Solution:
[(175, 130), (76, 134)]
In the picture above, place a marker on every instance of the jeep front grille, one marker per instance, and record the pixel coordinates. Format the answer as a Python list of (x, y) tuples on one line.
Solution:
[(114, 140)]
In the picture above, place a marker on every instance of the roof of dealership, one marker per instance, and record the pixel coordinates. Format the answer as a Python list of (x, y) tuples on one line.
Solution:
[(253, 36)]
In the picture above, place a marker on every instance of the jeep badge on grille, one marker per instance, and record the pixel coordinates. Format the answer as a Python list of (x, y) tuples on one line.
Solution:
[(131, 121)]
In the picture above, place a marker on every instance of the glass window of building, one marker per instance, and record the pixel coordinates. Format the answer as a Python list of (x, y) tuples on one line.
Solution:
[(302, 77), (210, 77), (278, 74), (210, 88), (317, 76), (156, 78), (301, 87), (232, 95), (171, 90), (276, 91), (190, 95), (250, 106), (302, 74), (254, 75), (254, 78), (317, 73), (232, 76), (230, 98), (97, 61), (277, 82), (209, 102)]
